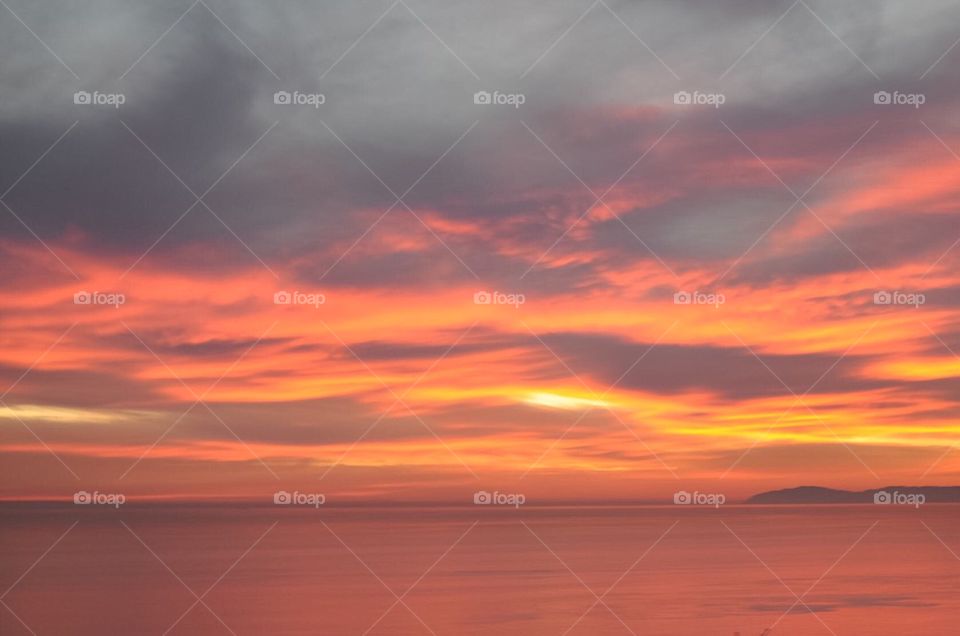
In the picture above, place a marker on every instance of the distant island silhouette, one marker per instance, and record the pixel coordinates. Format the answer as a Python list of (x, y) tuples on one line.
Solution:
[(820, 495)]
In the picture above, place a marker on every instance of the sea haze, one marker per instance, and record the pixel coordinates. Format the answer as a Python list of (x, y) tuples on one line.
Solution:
[(666, 570)]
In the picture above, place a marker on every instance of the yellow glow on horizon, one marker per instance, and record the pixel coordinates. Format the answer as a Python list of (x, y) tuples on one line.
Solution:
[(920, 369), (566, 402), (32, 412)]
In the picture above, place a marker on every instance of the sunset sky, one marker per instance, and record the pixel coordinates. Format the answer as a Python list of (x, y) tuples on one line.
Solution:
[(795, 202)]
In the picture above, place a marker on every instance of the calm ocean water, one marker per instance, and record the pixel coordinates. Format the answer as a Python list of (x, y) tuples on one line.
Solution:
[(859, 570)]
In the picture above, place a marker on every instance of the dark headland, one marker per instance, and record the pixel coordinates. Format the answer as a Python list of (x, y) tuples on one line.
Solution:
[(819, 495)]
